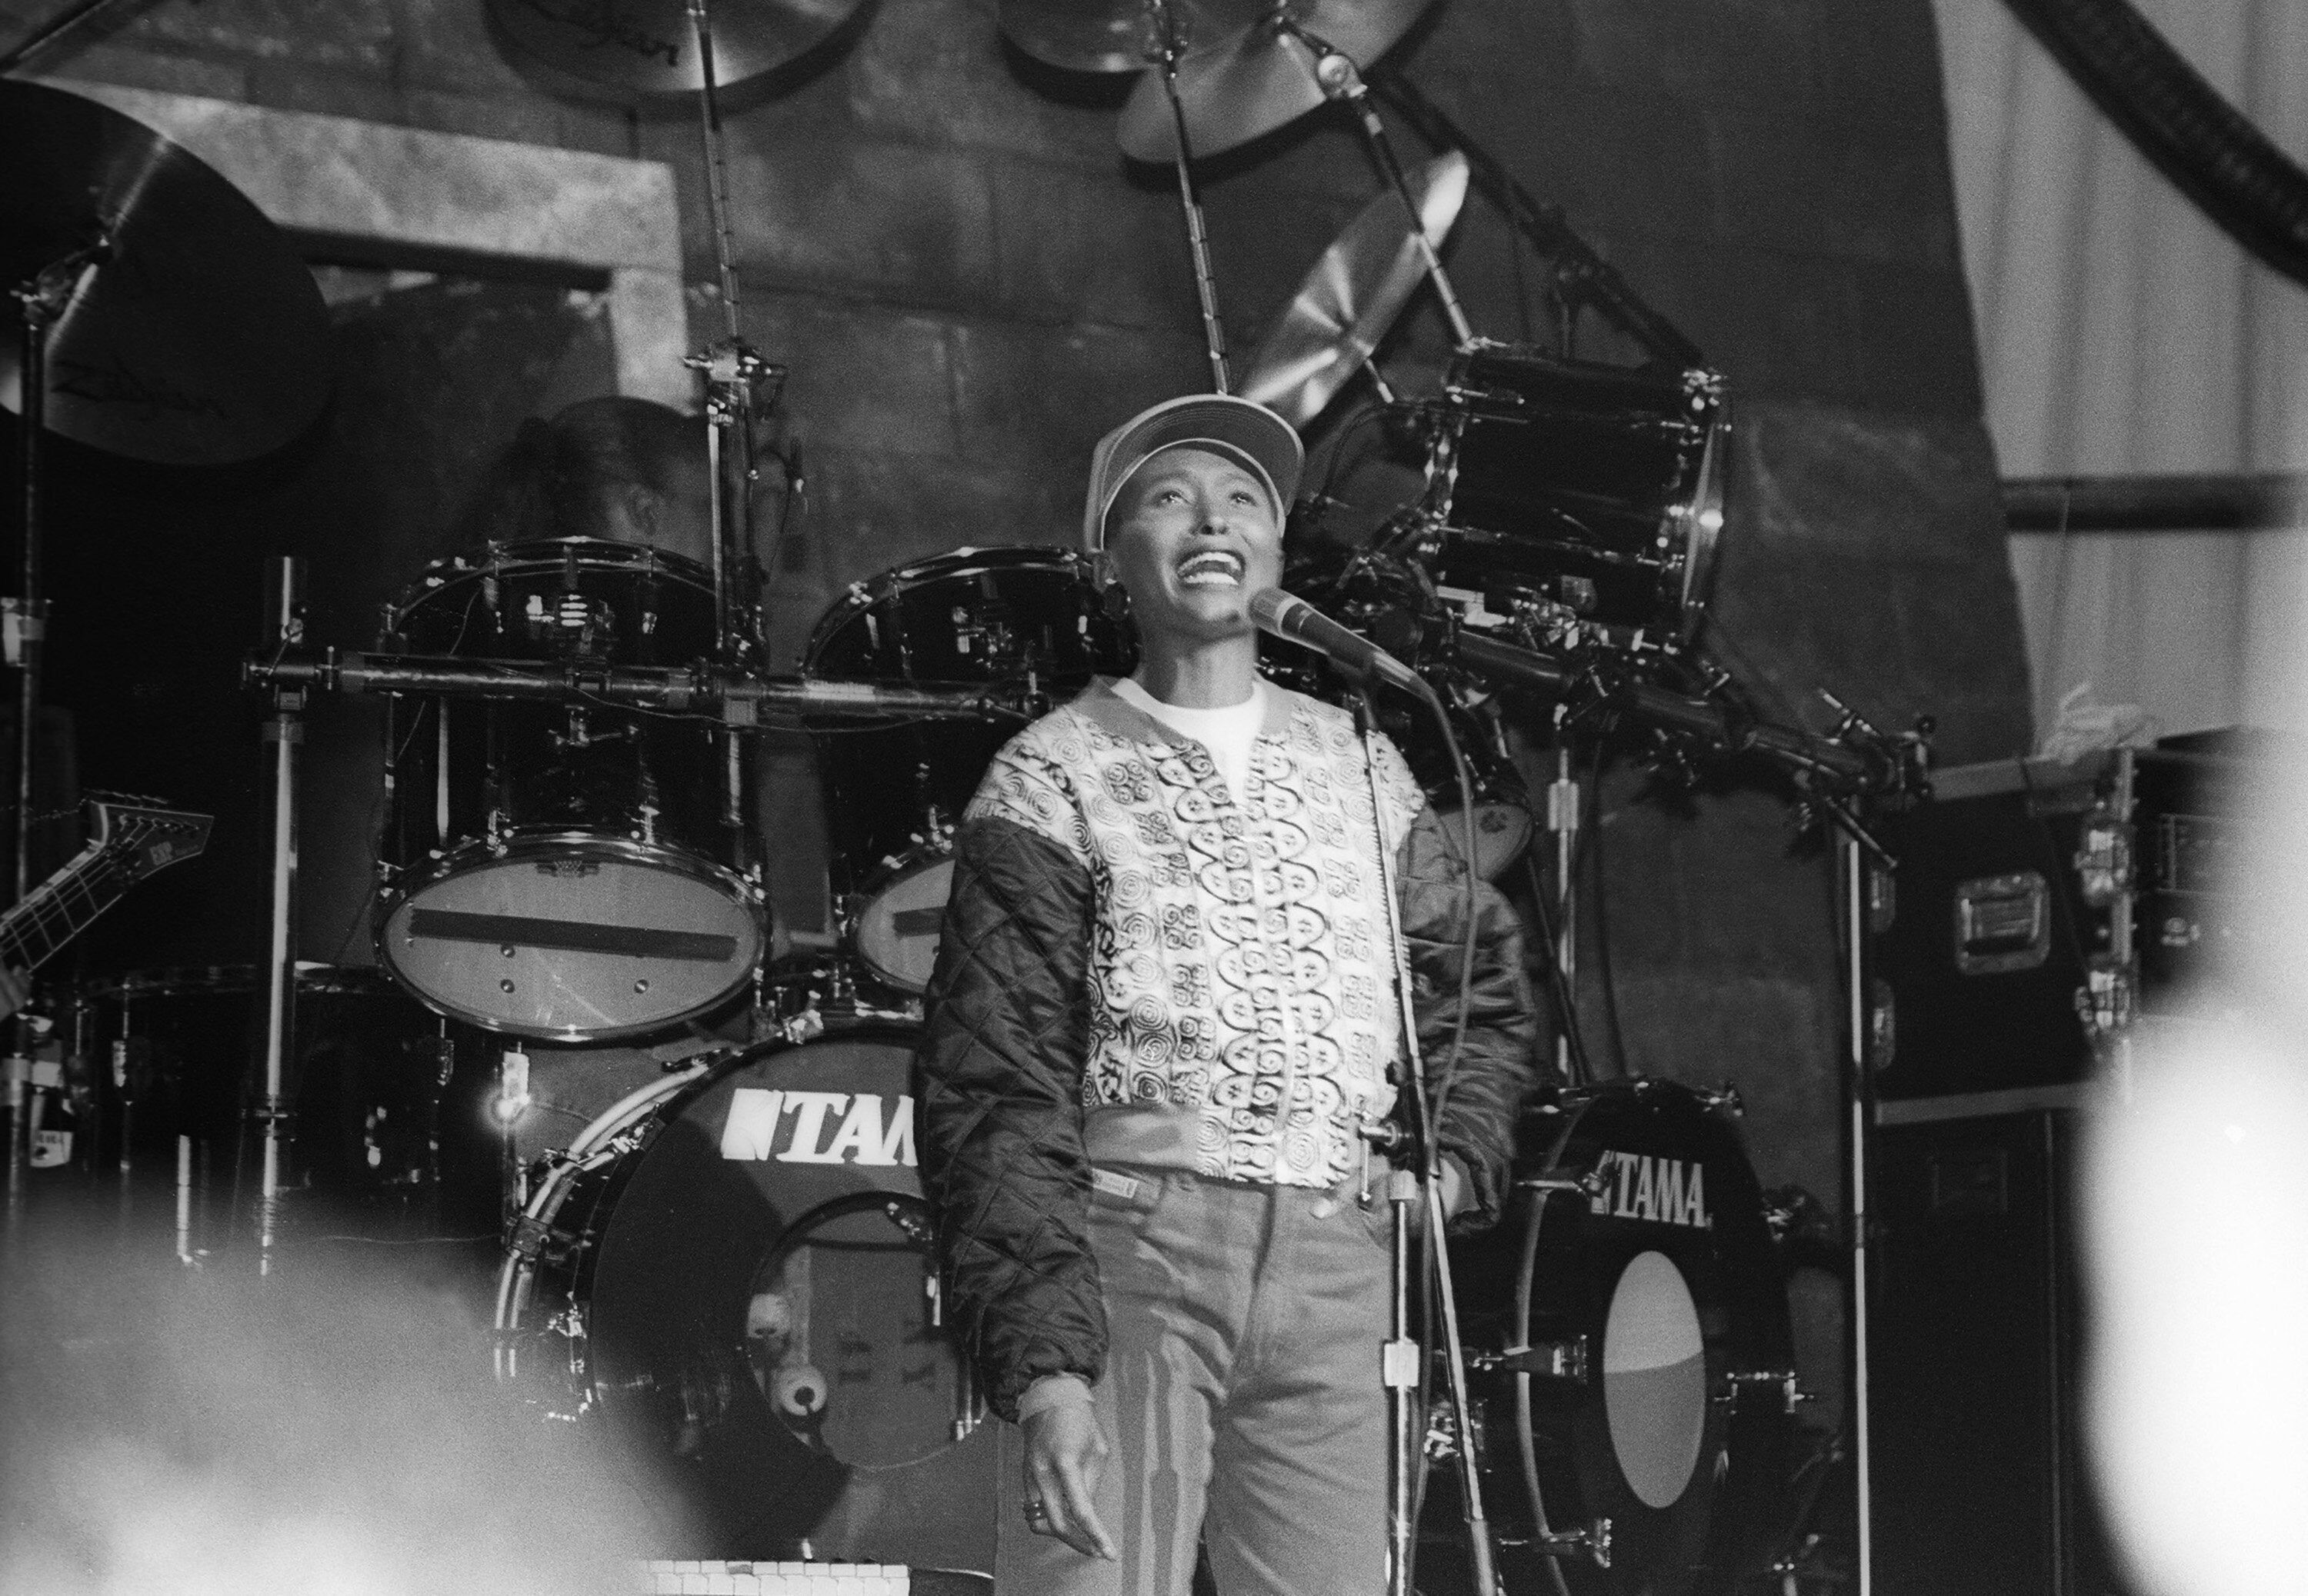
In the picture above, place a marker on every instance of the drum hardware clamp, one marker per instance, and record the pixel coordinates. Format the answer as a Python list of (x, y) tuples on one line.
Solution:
[(1736, 1382), (1446, 1434), (1593, 1541), (1590, 1185), (1725, 1096), (1556, 1359)]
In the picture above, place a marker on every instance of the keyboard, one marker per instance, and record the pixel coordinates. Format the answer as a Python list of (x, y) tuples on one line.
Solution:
[(685, 1578)]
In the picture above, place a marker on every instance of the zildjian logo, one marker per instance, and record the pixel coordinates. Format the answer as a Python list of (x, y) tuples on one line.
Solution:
[(598, 20), (116, 384)]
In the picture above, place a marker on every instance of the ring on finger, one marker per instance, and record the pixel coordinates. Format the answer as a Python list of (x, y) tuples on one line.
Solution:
[(1037, 1510)]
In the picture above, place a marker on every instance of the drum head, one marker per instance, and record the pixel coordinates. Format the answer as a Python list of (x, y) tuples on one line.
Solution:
[(1659, 1313), (896, 927), (762, 1314), (573, 939)]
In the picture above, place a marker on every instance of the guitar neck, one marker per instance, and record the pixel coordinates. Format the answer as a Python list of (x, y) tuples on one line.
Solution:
[(131, 844), (60, 909)]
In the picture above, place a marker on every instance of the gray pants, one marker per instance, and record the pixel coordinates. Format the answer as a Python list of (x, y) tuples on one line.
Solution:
[(1241, 1398)]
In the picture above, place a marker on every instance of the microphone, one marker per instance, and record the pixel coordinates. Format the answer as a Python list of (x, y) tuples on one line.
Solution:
[(1294, 620)]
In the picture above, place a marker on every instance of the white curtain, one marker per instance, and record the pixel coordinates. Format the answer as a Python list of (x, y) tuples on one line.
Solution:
[(2120, 331)]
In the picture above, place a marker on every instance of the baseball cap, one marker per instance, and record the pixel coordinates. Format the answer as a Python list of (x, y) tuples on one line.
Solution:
[(1239, 428)]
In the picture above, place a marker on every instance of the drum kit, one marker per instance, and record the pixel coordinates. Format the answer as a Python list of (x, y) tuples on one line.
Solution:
[(734, 1260)]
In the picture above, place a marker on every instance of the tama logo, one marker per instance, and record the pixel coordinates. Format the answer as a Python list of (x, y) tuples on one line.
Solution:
[(790, 1128), (1663, 1190)]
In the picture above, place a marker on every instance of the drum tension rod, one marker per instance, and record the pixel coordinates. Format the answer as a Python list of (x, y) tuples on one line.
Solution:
[(1592, 1542), (1556, 1359), (1590, 1185)]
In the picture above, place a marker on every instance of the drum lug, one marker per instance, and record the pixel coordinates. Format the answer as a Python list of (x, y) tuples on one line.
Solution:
[(1592, 1542), (1445, 1435), (1556, 1359), (1792, 1396), (528, 1236)]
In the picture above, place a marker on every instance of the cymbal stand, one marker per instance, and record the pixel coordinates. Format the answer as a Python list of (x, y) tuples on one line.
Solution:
[(1340, 79), (284, 731), (51, 30), (1169, 43), (40, 302), (1582, 278), (735, 376)]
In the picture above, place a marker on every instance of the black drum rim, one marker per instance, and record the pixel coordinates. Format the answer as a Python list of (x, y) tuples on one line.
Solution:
[(499, 560), (862, 595)]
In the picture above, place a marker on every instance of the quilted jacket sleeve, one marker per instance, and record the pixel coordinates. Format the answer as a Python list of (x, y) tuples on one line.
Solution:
[(1495, 1071), (999, 1110)]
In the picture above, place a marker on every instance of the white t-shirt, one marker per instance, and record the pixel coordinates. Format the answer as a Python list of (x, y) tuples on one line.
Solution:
[(1229, 734)]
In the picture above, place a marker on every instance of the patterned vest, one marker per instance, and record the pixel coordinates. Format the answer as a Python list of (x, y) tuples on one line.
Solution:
[(1243, 1000)]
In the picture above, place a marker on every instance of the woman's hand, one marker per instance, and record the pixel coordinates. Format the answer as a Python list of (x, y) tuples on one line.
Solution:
[(1065, 1452)]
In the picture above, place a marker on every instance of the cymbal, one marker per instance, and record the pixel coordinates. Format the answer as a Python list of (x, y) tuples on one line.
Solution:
[(1258, 80), (650, 44), (1112, 35), (1353, 295), (202, 340)]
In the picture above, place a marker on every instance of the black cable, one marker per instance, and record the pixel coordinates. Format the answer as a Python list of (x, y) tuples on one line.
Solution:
[(1468, 904), (1566, 1005), (2209, 149), (1368, 416), (1600, 888)]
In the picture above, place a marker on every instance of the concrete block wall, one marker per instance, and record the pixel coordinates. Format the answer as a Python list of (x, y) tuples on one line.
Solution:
[(969, 285)]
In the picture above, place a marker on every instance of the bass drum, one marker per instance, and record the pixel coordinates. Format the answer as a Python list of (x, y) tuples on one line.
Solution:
[(735, 1270), (1631, 1359), (561, 871), (893, 794)]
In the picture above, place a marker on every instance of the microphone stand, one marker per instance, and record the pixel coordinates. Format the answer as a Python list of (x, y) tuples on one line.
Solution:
[(284, 731), (1402, 1358)]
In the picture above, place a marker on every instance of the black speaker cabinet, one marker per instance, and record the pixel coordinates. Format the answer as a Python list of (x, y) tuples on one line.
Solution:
[(1975, 1338)]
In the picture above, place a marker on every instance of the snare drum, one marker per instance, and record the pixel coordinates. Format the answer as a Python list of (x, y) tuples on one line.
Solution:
[(737, 1271), (554, 869), (1597, 490), (894, 794), (1630, 1350)]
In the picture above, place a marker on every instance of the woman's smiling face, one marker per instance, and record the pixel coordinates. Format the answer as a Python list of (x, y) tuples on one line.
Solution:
[(1192, 535)]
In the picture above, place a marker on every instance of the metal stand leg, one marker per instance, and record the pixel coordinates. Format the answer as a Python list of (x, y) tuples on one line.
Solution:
[(1169, 45), (1852, 862), (1399, 1367), (1339, 78), (735, 376), (1403, 1187), (283, 733)]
